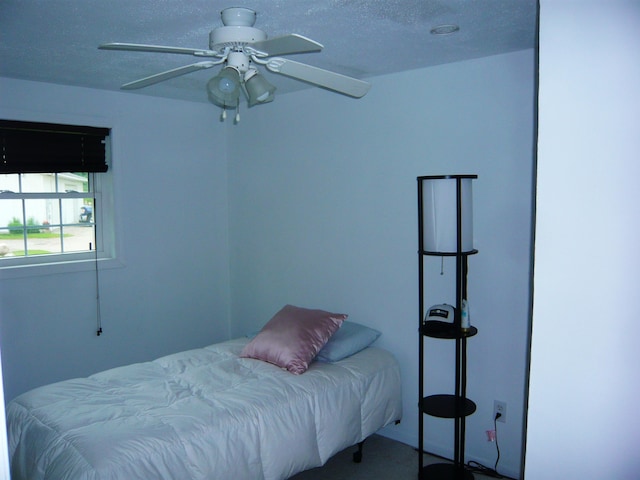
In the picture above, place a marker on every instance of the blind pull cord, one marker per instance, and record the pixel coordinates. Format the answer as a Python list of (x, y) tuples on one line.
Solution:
[(98, 312)]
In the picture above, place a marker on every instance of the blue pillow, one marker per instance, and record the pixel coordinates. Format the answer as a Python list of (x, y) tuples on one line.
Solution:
[(350, 338)]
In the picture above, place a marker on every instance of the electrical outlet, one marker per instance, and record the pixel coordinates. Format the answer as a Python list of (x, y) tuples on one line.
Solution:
[(500, 408)]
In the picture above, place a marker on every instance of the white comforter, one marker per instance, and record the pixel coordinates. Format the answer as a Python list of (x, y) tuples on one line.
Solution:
[(201, 414)]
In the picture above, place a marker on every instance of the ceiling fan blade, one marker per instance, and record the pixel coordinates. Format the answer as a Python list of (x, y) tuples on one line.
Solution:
[(318, 76), (286, 44), (161, 77), (136, 47)]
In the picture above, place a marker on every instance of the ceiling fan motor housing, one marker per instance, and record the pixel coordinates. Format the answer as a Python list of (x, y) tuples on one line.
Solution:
[(234, 37), (238, 16)]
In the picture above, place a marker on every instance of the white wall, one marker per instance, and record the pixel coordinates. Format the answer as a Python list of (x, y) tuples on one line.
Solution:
[(323, 213), (583, 417), (171, 291)]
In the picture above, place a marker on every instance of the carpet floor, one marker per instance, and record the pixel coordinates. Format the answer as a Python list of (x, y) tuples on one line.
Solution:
[(382, 459)]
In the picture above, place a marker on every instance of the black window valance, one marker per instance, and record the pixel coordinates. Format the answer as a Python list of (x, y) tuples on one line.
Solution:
[(31, 147)]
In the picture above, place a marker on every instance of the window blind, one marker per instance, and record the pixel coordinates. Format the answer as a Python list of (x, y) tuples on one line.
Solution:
[(31, 147)]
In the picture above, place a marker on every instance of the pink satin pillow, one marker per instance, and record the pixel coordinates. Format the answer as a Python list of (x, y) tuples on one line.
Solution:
[(293, 337)]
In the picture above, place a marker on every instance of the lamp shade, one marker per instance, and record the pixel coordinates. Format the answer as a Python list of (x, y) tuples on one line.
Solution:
[(224, 88), (259, 90), (447, 213)]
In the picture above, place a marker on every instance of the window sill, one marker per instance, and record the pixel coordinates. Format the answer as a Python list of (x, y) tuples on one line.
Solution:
[(58, 267)]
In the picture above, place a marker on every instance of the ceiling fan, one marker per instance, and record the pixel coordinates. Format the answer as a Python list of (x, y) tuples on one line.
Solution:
[(239, 47)]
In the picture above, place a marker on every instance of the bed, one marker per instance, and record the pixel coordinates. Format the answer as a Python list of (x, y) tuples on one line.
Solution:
[(209, 413)]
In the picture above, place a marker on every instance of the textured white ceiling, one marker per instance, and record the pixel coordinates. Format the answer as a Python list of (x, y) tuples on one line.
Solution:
[(56, 40)]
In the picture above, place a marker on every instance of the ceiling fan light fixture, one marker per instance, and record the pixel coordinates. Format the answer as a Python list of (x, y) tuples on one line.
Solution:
[(224, 88), (259, 90), (445, 29)]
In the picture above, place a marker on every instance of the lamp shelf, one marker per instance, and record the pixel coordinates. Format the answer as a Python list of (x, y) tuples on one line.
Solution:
[(448, 254), (445, 330), (447, 406)]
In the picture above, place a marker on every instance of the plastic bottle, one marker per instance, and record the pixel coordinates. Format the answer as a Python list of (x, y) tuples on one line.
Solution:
[(465, 320)]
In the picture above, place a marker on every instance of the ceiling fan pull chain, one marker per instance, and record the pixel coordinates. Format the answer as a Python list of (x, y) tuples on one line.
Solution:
[(237, 119), (223, 115)]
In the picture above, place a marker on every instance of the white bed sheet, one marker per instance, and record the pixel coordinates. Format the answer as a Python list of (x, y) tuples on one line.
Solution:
[(201, 414)]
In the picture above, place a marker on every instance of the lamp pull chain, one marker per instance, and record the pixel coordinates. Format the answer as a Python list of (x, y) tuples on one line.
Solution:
[(441, 265)]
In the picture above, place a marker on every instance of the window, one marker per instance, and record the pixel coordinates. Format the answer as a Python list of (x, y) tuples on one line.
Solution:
[(47, 215)]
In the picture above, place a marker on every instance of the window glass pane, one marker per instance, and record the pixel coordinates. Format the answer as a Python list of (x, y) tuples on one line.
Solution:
[(12, 233), (9, 183), (87, 215), (71, 210), (10, 212), (11, 241), (38, 182), (73, 182), (35, 210), (79, 238), (52, 212), (42, 243)]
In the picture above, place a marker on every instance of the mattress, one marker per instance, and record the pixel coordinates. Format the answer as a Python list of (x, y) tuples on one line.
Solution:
[(201, 414)]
